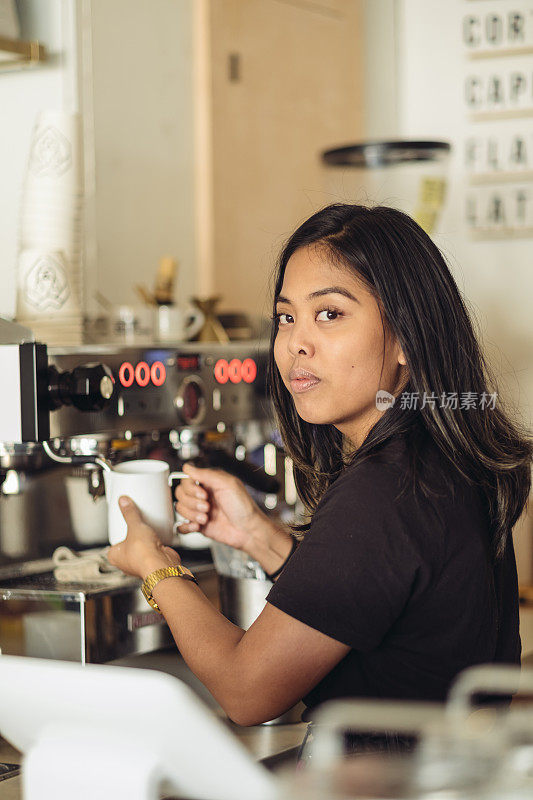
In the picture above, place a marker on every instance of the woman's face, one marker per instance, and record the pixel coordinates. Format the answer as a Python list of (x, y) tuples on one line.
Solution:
[(330, 325)]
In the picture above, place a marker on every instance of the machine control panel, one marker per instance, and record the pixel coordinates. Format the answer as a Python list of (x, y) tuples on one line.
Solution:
[(164, 387)]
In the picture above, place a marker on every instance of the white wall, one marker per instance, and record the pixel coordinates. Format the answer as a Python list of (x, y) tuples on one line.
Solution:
[(495, 275), (414, 86), (143, 127), (381, 76)]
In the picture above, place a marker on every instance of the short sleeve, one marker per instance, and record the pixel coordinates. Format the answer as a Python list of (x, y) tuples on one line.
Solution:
[(353, 574)]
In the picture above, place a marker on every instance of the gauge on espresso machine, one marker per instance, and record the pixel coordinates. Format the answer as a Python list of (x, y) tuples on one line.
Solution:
[(190, 400), (88, 387)]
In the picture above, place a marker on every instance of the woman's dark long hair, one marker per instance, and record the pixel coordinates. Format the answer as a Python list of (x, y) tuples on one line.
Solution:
[(417, 295)]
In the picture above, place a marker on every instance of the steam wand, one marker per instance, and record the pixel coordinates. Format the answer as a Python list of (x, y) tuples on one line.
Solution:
[(99, 460)]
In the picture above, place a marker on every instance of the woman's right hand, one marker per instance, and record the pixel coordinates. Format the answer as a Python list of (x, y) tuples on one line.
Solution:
[(220, 508)]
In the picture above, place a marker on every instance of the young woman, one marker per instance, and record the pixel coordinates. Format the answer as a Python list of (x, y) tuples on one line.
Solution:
[(410, 470)]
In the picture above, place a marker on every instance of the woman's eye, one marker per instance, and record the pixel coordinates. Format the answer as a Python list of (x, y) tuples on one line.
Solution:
[(331, 315), (329, 311)]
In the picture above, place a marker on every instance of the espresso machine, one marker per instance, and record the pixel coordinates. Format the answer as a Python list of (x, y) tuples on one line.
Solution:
[(65, 414)]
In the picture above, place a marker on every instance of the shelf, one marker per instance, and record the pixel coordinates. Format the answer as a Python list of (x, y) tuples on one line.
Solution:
[(15, 53), (508, 113), (501, 53), (490, 234), (484, 178)]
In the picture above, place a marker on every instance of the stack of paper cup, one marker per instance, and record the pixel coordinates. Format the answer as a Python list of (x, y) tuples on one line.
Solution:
[(51, 231)]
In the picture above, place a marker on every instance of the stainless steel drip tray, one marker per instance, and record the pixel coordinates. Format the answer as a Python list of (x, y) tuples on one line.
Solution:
[(84, 622), (43, 584), (38, 576)]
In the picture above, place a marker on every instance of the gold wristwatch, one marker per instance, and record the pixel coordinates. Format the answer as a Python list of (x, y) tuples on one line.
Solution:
[(166, 572)]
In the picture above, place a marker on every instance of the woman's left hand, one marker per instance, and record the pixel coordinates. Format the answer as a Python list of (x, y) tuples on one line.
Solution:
[(142, 551)]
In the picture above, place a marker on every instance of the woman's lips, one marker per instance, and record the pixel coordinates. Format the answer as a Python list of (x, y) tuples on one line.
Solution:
[(299, 385)]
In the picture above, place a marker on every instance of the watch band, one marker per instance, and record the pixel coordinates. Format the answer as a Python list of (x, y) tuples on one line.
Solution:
[(151, 580)]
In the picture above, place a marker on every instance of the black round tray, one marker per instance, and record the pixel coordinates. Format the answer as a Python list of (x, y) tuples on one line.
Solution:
[(374, 154)]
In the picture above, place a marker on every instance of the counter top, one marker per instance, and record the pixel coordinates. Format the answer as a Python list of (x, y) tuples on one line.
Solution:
[(264, 742), (268, 743)]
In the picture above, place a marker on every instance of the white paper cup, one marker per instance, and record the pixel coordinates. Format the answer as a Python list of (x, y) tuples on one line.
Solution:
[(51, 194), (49, 212), (69, 243), (52, 201), (70, 234), (147, 482), (61, 214), (50, 206), (56, 157), (46, 285), (72, 256)]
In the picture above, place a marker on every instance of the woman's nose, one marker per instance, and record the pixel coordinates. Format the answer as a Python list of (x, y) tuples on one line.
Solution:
[(300, 341)]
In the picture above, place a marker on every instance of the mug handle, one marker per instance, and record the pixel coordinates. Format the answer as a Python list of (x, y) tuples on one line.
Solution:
[(197, 319), (178, 476)]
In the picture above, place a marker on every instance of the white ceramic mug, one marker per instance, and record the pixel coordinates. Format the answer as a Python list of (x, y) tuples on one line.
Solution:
[(132, 324), (147, 482), (88, 515), (177, 323)]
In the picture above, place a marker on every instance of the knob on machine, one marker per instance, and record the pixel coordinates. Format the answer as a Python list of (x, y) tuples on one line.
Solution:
[(88, 387)]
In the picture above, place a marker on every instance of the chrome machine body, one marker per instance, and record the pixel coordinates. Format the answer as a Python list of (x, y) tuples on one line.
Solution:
[(66, 409)]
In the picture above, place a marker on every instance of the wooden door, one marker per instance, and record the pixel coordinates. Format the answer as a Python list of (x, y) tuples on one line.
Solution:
[(286, 83)]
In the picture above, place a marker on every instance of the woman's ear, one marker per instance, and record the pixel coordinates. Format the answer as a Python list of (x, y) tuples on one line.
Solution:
[(401, 358)]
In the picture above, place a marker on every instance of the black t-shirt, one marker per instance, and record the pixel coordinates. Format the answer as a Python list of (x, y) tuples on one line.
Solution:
[(406, 583)]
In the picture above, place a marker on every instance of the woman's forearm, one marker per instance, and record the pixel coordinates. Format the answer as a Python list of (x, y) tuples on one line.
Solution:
[(270, 543), (206, 640)]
